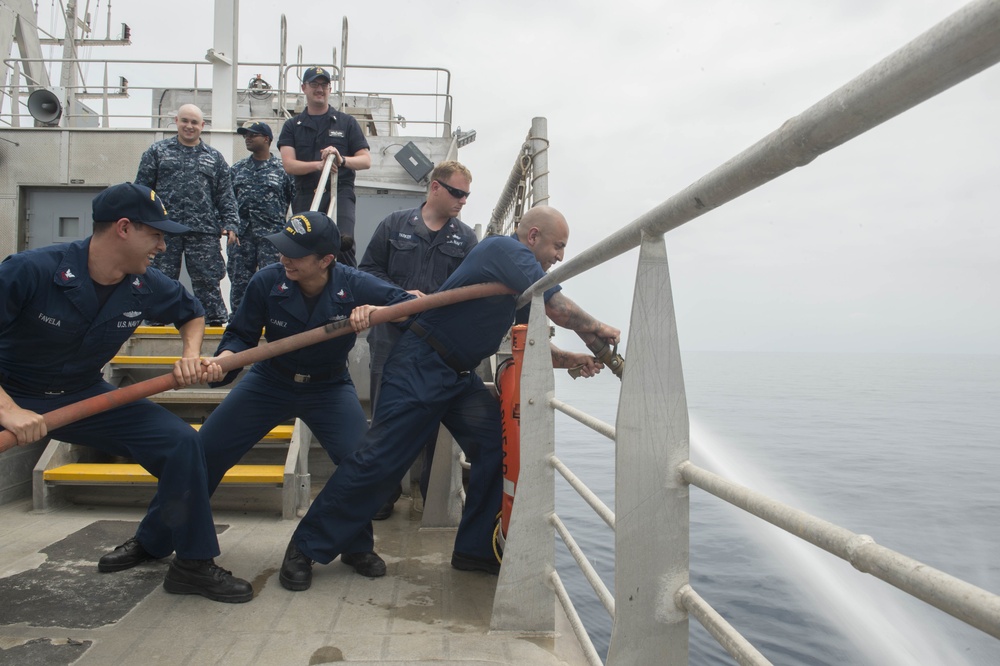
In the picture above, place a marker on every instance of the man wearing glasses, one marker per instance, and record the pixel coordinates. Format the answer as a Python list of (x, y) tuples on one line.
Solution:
[(306, 140), (417, 250)]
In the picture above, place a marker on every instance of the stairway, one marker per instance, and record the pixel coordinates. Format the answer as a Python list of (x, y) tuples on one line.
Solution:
[(277, 464)]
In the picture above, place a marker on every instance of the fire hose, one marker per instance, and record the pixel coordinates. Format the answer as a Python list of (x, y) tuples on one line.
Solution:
[(106, 401)]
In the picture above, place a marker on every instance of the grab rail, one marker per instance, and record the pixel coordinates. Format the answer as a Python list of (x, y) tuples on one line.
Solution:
[(653, 596)]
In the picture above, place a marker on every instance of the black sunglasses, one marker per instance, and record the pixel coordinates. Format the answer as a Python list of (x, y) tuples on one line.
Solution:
[(453, 191)]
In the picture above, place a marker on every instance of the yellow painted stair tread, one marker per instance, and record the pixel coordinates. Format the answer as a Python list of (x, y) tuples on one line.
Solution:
[(172, 331), (279, 433), (132, 473)]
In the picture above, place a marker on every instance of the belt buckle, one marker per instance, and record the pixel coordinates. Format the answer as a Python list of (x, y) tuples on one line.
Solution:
[(300, 378), (55, 392)]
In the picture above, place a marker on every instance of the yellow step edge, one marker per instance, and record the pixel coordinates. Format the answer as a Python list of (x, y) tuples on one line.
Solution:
[(172, 331), (277, 433), (121, 359), (132, 473)]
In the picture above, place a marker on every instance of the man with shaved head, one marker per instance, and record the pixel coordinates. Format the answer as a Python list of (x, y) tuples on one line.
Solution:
[(428, 379), (192, 178)]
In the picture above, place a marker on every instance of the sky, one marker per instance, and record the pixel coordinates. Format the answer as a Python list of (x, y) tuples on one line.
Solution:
[(886, 244)]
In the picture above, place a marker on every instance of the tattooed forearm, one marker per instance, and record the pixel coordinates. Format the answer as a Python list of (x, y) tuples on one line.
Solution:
[(564, 312)]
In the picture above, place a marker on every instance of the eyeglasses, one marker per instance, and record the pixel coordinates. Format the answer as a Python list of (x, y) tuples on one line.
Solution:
[(318, 84), (453, 191)]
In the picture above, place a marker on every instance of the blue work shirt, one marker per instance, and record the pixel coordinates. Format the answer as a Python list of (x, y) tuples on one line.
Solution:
[(276, 304), (54, 337), (472, 330), (309, 135), (402, 251)]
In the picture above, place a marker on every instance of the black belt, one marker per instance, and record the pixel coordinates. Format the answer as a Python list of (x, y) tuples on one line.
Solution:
[(20, 387), (436, 345), (301, 378)]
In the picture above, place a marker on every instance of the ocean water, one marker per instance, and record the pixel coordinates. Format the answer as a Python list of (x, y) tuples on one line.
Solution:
[(904, 448)]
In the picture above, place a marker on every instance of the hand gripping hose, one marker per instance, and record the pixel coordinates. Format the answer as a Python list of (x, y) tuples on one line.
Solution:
[(102, 403)]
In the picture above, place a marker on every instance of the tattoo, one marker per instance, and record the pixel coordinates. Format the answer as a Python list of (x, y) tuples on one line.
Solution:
[(568, 314)]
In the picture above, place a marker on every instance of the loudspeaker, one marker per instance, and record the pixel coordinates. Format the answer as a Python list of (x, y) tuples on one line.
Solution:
[(45, 107)]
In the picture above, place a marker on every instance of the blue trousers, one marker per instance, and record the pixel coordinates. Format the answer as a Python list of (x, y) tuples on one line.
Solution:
[(166, 447), (264, 399), (381, 340), (418, 392), (346, 212)]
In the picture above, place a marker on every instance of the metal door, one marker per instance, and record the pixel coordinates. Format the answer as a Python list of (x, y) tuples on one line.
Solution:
[(58, 215)]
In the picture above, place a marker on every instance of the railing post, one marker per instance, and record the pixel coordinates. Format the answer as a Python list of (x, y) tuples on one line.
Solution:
[(523, 600), (651, 500)]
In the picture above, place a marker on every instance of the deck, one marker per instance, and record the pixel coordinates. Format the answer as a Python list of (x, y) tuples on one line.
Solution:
[(59, 609)]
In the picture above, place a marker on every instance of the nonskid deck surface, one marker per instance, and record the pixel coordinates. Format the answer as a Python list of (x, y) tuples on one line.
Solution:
[(57, 608)]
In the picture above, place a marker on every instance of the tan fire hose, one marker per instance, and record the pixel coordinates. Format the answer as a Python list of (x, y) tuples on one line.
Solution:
[(102, 403)]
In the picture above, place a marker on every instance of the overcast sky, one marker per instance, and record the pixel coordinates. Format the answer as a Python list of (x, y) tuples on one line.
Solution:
[(888, 243)]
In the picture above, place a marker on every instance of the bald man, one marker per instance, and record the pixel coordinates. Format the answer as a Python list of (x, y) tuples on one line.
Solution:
[(192, 179), (428, 379)]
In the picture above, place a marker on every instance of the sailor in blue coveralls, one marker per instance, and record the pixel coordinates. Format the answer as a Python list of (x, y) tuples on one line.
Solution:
[(418, 249), (66, 310), (306, 140), (428, 379), (306, 290)]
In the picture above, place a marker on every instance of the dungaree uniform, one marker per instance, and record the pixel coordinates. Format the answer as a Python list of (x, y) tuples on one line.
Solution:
[(54, 340), (421, 388), (311, 134), (263, 192), (311, 383), (193, 182), (406, 253)]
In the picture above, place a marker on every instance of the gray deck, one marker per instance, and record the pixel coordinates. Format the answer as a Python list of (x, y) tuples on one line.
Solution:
[(57, 608)]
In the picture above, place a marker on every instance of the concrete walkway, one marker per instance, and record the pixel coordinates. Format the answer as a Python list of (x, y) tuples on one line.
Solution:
[(58, 609)]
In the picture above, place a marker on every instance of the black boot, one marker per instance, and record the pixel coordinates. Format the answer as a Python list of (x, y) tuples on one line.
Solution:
[(296, 569), (124, 557), (386, 509), (367, 564), (206, 578)]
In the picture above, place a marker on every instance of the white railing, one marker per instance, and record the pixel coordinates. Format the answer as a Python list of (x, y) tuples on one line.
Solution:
[(653, 597)]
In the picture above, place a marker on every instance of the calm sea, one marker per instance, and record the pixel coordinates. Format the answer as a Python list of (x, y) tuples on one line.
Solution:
[(903, 448)]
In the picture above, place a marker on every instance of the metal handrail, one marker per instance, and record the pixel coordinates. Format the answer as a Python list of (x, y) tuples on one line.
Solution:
[(962, 45), (970, 604), (649, 496), (284, 73)]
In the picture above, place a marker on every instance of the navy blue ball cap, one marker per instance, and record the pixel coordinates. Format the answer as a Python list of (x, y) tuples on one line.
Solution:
[(307, 233), (314, 73), (137, 203), (257, 128)]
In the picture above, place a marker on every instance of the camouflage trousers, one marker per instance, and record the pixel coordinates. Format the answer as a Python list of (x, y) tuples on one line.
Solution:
[(202, 255), (245, 259)]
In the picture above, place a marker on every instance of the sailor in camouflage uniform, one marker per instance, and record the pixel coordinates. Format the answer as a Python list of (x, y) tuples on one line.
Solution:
[(263, 191), (192, 178)]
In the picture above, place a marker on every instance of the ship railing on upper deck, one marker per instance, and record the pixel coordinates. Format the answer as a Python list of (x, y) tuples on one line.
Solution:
[(653, 597), (419, 98)]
